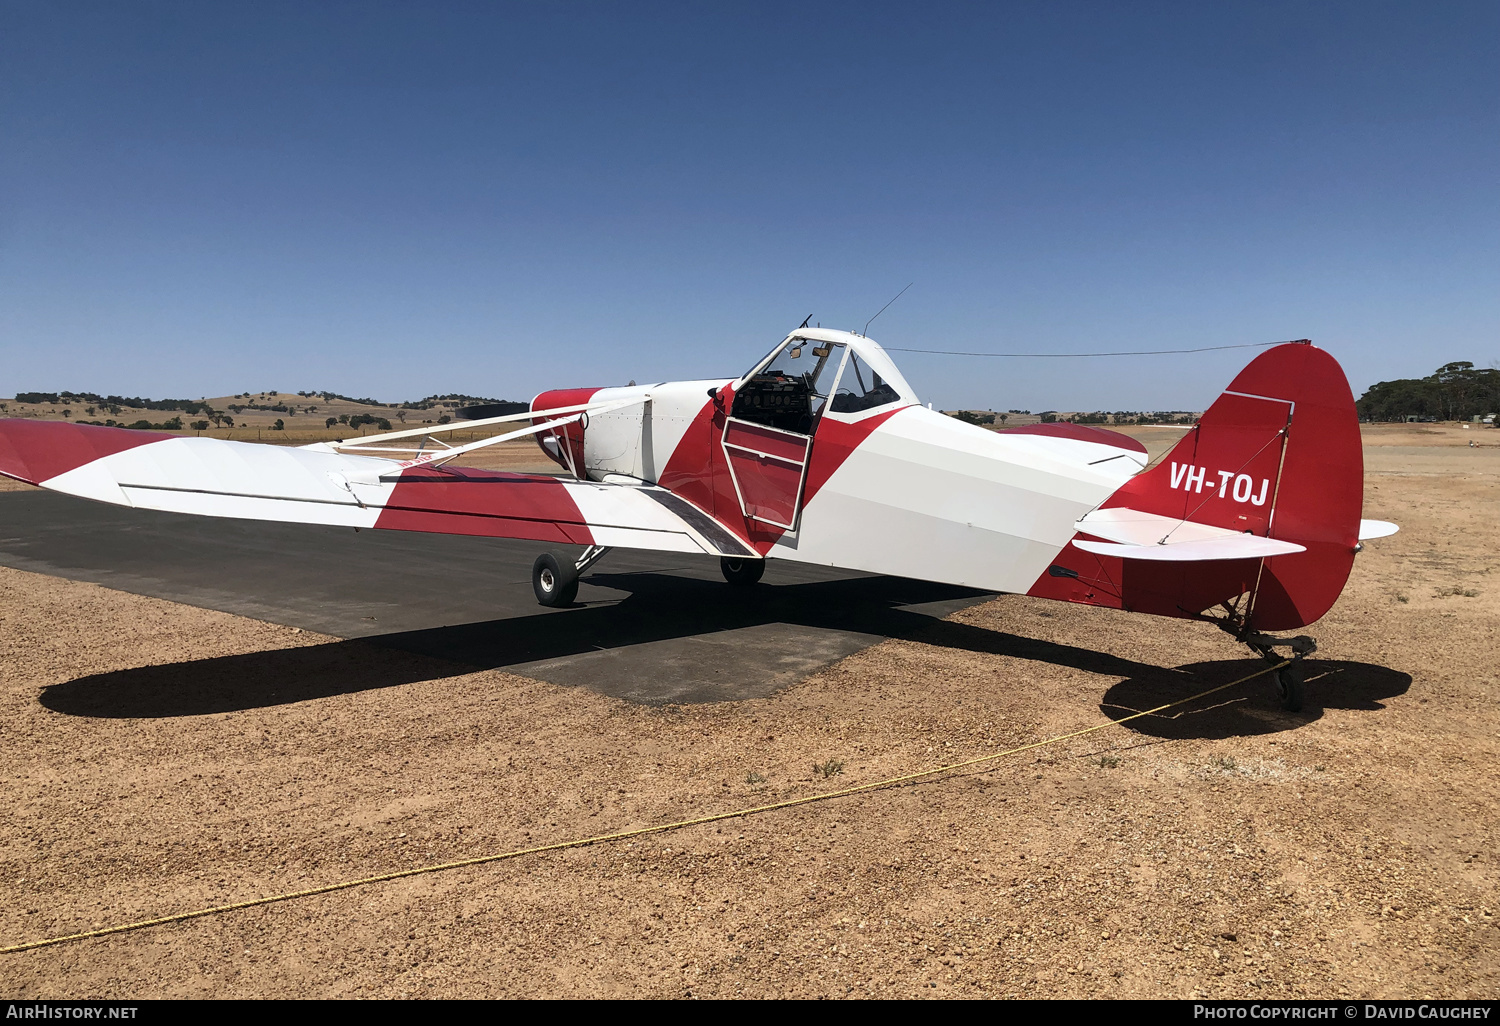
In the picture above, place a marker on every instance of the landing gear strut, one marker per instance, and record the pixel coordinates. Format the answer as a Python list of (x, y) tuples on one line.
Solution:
[(554, 577)]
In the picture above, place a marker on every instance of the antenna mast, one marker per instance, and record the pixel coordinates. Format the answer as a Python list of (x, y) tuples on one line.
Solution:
[(883, 308)]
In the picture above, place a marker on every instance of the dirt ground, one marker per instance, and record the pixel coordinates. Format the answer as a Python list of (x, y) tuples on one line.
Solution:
[(1230, 851)]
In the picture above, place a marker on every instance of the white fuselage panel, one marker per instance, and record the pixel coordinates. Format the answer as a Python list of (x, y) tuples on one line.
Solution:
[(930, 497)]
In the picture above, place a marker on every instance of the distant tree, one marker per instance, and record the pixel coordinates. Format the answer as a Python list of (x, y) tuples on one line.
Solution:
[(229, 422), (330, 422), (280, 425), (90, 411), (974, 418), (67, 413), (401, 416), (361, 419), (1456, 391), (1003, 418), (444, 419), (200, 425), (343, 418)]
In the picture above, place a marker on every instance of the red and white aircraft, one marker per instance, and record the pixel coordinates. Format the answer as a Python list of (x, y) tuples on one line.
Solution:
[(821, 453)]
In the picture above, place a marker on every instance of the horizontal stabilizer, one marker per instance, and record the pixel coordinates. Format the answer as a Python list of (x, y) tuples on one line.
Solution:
[(1134, 527), (1236, 546), (1376, 529), (1134, 534)]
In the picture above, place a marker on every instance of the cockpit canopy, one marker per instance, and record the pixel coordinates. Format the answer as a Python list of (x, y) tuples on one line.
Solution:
[(818, 371)]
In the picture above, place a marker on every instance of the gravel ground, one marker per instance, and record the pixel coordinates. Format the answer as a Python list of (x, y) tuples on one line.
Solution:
[(1224, 850)]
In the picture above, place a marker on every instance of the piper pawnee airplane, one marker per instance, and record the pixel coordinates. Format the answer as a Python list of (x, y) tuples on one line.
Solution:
[(821, 453)]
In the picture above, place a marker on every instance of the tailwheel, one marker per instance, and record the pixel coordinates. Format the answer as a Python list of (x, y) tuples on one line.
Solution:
[(1289, 677), (554, 579), (1289, 684), (741, 572)]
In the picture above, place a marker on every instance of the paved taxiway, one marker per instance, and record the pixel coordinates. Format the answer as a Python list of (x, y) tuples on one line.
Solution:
[(649, 627)]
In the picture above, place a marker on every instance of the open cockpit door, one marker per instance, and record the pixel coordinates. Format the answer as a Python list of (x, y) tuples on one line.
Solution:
[(768, 434), (768, 467)]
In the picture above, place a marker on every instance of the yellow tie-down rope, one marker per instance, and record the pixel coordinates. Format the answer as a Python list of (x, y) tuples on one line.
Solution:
[(623, 834)]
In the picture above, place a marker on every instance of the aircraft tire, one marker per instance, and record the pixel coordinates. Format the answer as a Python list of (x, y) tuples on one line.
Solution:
[(1289, 684), (742, 572), (554, 580)]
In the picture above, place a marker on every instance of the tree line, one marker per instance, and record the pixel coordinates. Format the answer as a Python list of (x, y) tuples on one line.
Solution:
[(1456, 391)]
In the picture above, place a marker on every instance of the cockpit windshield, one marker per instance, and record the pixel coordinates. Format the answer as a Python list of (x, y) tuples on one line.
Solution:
[(816, 371), (792, 389), (818, 375)]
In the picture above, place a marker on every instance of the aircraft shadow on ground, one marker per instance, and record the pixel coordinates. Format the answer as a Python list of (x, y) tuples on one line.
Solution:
[(1251, 708), (657, 608)]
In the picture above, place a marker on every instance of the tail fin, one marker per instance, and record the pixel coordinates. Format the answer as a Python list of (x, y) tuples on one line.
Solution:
[(1278, 455)]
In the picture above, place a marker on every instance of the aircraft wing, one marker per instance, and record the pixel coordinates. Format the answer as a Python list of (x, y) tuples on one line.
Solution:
[(317, 485)]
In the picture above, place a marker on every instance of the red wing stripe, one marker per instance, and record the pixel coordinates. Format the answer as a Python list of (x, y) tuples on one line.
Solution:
[(486, 503), (35, 451)]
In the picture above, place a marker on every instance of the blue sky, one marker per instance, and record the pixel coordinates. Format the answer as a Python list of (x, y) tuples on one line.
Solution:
[(402, 199)]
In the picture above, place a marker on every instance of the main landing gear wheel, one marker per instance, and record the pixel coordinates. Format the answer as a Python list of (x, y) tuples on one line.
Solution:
[(554, 580), (742, 572)]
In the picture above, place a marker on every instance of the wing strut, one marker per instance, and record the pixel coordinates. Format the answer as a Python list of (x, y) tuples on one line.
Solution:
[(421, 456)]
